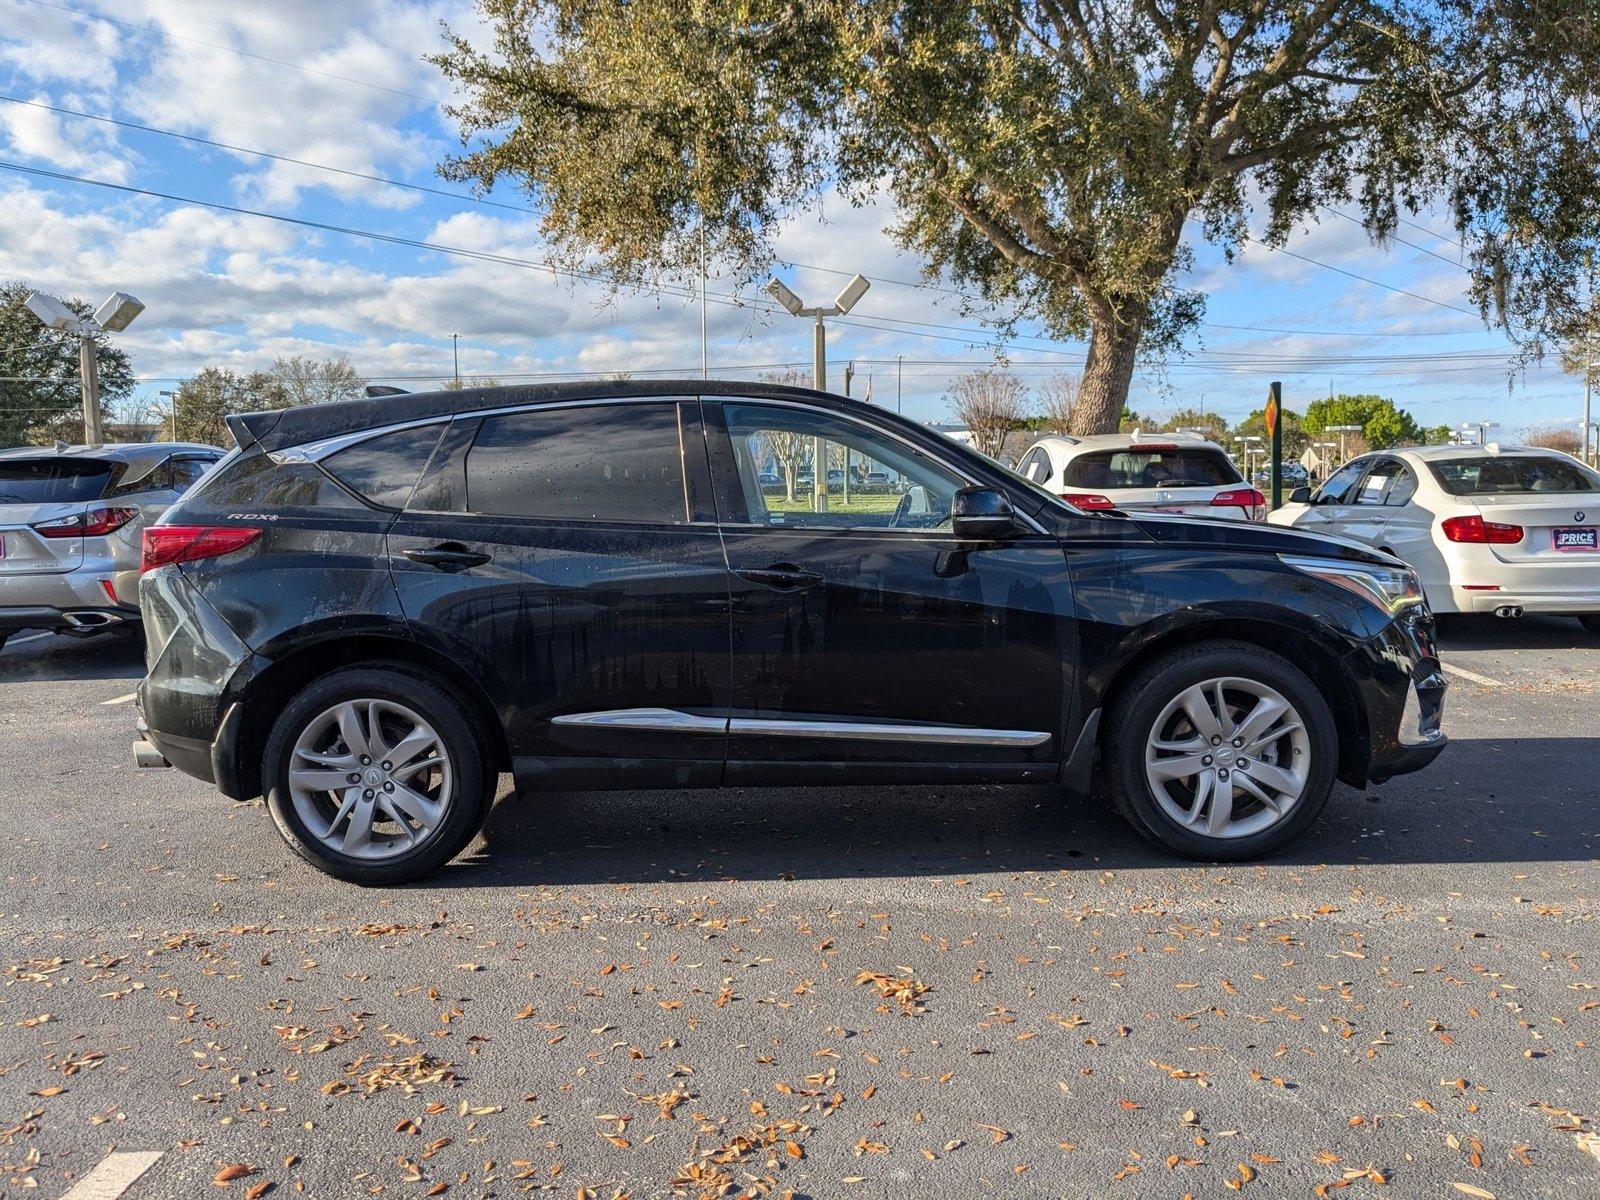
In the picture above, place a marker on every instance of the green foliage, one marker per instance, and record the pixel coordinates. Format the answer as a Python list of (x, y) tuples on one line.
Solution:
[(41, 389), (205, 401), (1382, 423), (1207, 424), (1295, 430), (1046, 153)]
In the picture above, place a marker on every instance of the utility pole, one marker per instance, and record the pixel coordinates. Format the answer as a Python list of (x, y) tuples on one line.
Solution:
[(796, 307), (705, 351), (899, 371), (455, 354)]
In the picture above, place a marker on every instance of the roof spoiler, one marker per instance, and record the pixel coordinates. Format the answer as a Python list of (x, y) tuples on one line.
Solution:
[(384, 389), (249, 428)]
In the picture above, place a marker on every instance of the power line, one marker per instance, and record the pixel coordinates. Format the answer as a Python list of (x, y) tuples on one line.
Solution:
[(919, 286), (283, 158)]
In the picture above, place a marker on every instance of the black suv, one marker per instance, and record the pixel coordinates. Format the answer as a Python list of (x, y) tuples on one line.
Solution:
[(373, 608)]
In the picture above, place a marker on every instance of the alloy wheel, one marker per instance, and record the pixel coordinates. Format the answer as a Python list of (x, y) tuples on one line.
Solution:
[(370, 778), (1228, 757)]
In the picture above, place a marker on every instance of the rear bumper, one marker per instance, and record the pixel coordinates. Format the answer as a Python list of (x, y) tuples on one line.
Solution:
[(54, 600), (1571, 601)]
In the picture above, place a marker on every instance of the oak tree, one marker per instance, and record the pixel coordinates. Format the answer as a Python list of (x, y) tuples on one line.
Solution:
[(1059, 156)]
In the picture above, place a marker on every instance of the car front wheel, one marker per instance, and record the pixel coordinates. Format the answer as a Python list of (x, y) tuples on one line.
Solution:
[(375, 775), (1222, 751)]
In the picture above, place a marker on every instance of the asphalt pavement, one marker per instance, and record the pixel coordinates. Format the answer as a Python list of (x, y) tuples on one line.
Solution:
[(859, 992)]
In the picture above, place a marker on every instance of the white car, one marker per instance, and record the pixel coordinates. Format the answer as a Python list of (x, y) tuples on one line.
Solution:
[(1144, 473), (1487, 530)]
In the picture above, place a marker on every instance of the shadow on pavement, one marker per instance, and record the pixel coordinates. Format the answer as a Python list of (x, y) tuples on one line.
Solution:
[(1475, 805), (1458, 632), (116, 654)]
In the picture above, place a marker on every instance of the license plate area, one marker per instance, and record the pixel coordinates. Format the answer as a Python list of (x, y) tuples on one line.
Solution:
[(1579, 540)]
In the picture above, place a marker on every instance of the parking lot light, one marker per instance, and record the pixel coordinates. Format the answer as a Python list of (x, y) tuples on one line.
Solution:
[(115, 314), (796, 307)]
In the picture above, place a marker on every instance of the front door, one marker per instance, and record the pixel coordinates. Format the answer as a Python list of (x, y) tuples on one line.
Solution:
[(552, 552), (864, 633)]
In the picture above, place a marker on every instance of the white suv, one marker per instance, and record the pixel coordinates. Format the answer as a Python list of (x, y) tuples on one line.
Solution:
[(1145, 473)]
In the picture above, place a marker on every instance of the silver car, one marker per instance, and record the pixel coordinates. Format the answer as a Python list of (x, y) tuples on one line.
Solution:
[(70, 520)]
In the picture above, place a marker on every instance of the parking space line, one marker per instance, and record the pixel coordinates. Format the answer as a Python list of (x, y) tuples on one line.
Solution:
[(120, 699), (1472, 676), (32, 637), (114, 1174)]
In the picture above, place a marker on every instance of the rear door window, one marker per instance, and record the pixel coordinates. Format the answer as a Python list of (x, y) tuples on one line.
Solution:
[(386, 468), (606, 462), (1374, 488), (1150, 467), (49, 480)]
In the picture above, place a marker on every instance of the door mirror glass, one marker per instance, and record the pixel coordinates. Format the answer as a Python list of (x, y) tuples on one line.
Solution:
[(981, 514), (1300, 495)]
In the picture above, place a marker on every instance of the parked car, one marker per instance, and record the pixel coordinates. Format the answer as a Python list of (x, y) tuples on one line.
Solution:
[(1291, 474), (1176, 473), (1507, 531), (769, 479), (878, 478), (70, 519), (374, 608)]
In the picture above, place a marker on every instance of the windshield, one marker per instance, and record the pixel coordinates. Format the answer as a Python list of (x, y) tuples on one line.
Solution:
[(1536, 474), (1149, 468), (52, 480)]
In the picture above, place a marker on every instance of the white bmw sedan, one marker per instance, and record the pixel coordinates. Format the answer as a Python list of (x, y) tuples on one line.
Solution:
[(1488, 530)]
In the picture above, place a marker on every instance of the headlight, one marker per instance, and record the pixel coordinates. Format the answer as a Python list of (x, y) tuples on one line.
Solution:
[(1390, 588)]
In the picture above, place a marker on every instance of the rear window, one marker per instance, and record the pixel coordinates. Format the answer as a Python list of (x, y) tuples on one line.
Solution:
[(1150, 468), (52, 480), (1498, 476)]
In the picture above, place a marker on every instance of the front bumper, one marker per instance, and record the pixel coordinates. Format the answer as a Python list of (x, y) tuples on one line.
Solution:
[(1402, 686)]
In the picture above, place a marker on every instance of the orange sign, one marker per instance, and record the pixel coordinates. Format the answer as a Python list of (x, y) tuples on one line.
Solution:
[(1271, 414)]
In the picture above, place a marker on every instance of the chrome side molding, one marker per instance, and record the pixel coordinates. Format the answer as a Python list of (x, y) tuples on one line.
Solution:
[(669, 720)]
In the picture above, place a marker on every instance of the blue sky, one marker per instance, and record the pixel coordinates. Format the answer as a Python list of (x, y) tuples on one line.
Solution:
[(344, 85)]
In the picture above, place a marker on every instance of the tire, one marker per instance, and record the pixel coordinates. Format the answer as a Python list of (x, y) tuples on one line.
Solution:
[(1180, 817), (1591, 622), (445, 784)]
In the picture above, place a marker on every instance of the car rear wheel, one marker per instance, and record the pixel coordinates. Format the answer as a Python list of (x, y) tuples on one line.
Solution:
[(1222, 751), (1591, 622), (376, 776)]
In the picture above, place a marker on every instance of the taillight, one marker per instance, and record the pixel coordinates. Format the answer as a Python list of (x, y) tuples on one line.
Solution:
[(1087, 502), (1249, 499), (166, 544), (1476, 529), (97, 522)]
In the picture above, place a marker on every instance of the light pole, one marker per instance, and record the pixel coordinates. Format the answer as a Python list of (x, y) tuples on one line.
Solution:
[(1249, 442), (172, 399), (1324, 457), (899, 372), (455, 355), (1483, 428), (796, 307), (1341, 430), (113, 316)]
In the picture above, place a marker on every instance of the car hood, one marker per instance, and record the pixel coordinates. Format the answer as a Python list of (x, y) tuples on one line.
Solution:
[(1249, 535)]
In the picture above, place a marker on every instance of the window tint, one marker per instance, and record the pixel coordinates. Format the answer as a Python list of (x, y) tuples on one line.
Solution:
[(871, 480), (155, 477), (1147, 467), (255, 483), (52, 480), (1375, 486), (1520, 473), (1402, 489), (186, 472), (608, 462), (385, 469), (1341, 484)]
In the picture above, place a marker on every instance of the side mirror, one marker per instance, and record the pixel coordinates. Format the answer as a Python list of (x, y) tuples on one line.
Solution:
[(981, 514), (1300, 495)]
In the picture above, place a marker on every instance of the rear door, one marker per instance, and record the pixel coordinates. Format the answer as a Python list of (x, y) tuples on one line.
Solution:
[(1367, 515), (566, 555), (39, 488)]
